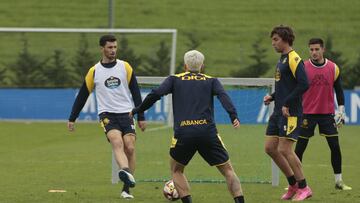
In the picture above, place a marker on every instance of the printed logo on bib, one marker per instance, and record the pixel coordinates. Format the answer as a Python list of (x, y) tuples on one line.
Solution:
[(319, 80), (112, 82)]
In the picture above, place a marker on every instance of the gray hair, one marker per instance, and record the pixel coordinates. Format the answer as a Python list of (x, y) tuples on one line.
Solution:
[(194, 60)]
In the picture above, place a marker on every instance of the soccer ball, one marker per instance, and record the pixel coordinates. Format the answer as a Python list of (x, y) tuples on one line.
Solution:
[(170, 192)]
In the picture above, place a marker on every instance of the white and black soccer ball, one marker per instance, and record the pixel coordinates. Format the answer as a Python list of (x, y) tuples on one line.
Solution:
[(170, 192)]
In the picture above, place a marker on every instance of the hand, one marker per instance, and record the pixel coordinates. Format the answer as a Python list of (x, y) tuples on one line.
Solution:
[(131, 114), (340, 116), (142, 125), (285, 111), (267, 99), (236, 123), (71, 126)]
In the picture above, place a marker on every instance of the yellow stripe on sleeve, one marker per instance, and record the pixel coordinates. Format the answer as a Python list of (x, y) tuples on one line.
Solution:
[(337, 72), (294, 60), (181, 74), (187, 72), (89, 79), (129, 71)]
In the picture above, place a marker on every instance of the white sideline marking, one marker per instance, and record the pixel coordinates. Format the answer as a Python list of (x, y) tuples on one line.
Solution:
[(157, 128), (57, 191)]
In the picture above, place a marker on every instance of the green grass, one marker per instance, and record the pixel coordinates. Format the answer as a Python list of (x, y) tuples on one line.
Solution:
[(226, 29), (37, 157)]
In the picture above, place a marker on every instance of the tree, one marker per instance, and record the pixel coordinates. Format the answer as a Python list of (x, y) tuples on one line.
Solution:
[(348, 72), (2, 76), (260, 67), (193, 43), (159, 64), (26, 70), (128, 54), (83, 60), (335, 56), (350, 75), (57, 73)]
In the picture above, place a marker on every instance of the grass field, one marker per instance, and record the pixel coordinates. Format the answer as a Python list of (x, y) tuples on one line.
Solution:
[(226, 30), (37, 157)]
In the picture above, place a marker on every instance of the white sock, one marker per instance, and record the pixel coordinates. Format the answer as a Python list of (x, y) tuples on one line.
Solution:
[(338, 177)]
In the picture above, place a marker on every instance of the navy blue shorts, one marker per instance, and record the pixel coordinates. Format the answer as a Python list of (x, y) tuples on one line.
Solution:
[(326, 123), (211, 149), (281, 126), (118, 121)]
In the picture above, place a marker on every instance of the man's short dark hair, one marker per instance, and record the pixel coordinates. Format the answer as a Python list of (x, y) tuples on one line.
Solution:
[(106, 38), (285, 33), (316, 41)]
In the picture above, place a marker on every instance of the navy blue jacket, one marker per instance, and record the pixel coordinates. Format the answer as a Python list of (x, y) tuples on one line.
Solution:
[(193, 103), (290, 83)]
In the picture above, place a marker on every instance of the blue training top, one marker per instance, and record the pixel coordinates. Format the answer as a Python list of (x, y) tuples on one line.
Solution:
[(290, 83), (193, 103)]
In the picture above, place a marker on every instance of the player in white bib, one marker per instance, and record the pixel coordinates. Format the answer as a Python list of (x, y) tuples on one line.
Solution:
[(117, 92)]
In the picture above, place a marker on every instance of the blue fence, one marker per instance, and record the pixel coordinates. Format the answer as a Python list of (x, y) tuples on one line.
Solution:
[(55, 104)]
